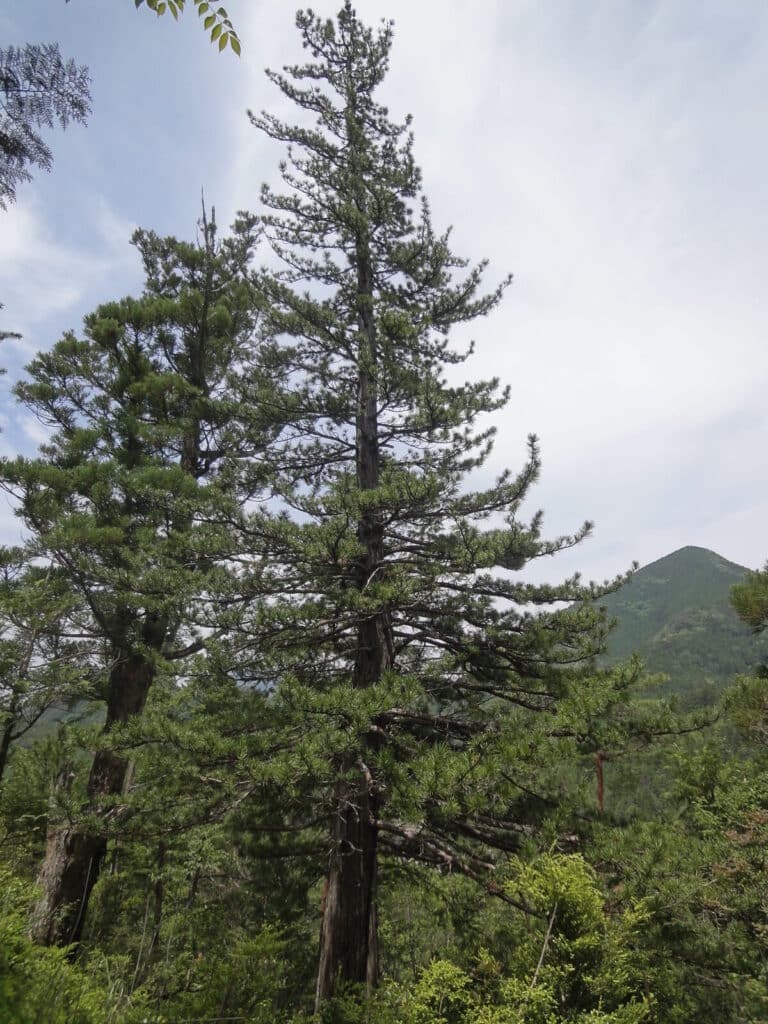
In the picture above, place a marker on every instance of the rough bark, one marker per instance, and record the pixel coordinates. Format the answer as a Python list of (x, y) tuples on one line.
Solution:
[(74, 853), (69, 871), (348, 938)]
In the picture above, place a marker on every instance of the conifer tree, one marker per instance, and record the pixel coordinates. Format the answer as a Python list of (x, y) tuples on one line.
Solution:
[(408, 661), (132, 496)]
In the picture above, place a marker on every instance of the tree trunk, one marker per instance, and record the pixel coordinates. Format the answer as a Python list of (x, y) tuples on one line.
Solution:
[(349, 948), (74, 853), (348, 944), (349, 934)]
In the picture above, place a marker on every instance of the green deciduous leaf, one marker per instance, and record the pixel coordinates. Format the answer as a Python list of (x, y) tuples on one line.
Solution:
[(217, 20)]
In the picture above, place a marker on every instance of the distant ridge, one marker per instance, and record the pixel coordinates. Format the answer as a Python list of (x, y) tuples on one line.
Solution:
[(675, 612)]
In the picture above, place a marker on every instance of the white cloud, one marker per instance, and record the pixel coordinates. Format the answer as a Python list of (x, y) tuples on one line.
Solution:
[(33, 429), (115, 232), (43, 275), (48, 281), (34, 263)]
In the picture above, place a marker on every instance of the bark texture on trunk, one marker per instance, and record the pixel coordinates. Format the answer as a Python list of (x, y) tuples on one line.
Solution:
[(349, 951), (348, 945), (74, 853), (69, 872)]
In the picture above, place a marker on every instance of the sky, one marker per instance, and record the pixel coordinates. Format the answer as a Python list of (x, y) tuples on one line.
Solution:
[(611, 155)]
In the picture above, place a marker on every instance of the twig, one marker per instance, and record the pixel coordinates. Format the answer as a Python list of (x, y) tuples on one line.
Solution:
[(544, 946)]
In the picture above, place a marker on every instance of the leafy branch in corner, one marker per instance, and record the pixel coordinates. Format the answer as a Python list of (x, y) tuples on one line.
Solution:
[(216, 19)]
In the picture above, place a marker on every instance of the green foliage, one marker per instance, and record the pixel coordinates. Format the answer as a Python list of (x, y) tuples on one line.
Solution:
[(30, 796), (215, 19), (750, 600), (136, 497), (697, 880), (258, 488), (40, 668), (442, 995), (129, 495), (39, 984), (411, 669), (38, 89), (244, 977), (565, 961)]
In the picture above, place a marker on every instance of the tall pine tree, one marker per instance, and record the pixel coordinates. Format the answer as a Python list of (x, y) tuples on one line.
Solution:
[(409, 663), (153, 416)]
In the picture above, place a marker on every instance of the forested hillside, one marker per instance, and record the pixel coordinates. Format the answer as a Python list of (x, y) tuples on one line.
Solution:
[(677, 615), (337, 758)]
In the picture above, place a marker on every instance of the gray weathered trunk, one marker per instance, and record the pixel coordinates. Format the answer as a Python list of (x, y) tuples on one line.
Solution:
[(74, 853), (348, 946)]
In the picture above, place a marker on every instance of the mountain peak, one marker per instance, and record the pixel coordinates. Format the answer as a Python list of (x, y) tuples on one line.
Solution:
[(693, 556), (676, 613)]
